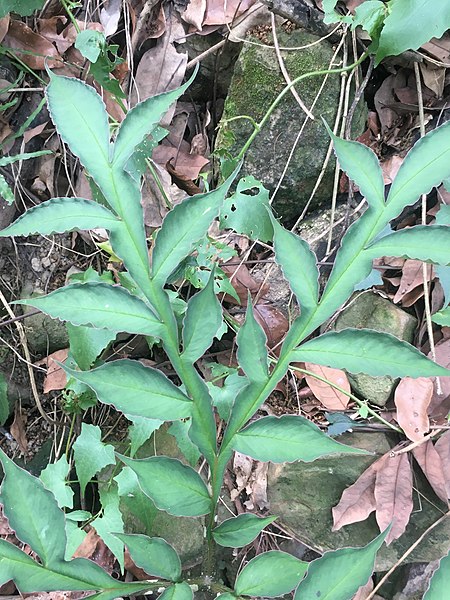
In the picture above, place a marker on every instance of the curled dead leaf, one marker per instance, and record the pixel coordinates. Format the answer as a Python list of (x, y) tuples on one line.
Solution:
[(429, 460), (393, 495), (442, 447), (273, 322), (412, 398), (357, 501), (329, 396), (33, 49)]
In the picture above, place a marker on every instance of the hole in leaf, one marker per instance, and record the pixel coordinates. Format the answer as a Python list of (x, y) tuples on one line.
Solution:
[(254, 191)]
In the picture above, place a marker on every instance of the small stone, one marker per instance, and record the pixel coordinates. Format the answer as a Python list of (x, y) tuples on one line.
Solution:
[(36, 265)]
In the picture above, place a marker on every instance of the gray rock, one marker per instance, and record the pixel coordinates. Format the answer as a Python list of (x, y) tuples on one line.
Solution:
[(44, 334), (370, 311), (256, 82), (303, 494)]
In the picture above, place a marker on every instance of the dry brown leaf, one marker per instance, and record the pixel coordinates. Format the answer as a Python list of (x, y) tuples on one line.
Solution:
[(433, 77), (257, 487), (390, 167), (440, 402), (110, 16), (180, 180), (38, 51), (56, 377), (412, 279), (186, 164), (273, 322), (364, 591), (94, 548), (4, 26), (412, 398), (17, 430), (442, 447), (329, 396), (221, 12), (243, 282), (194, 13), (357, 501), (393, 495), (431, 464), (439, 48)]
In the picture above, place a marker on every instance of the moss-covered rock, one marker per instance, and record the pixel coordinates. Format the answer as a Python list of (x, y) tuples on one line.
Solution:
[(256, 82)]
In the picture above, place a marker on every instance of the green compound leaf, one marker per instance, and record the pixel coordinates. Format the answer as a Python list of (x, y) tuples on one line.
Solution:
[(141, 121), (411, 23), (367, 351), (286, 439), (425, 166), (82, 122), (32, 512), (179, 591), (173, 487), (59, 215), (154, 555), (4, 404), (252, 352), (91, 454), (54, 479), (438, 588), (241, 530), (99, 305), (202, 322), (430, 243), (270, 574), (337, 575), (246, 210), (362, 166), (299, 266), (442, 317), (184, 225), (136, 390)]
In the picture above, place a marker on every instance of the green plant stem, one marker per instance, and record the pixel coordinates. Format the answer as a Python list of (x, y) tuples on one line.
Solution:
[(282, 94), (359, 402), (68, 10)]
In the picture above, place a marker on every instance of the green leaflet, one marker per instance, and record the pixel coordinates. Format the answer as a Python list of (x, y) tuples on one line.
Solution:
[(21, 7), (187, 223), (54, 479), (338, 574), (111, 521), (426, 165), (442, 317), (59, 215), (247, 212), (154, 555), (367, 351), (141, 120), (81, 120), (286, 439), (5, 191), (179, 591), (241, 530), (270, 574), (173, 487), (136, 502), (8, 160), (202, 322), (252, 352), (411, 23), (430, 243), (299, 266), (438, 588), (32, 512), (141, 430), (99, 305), (136, 390), (362, 166), (91, 454)]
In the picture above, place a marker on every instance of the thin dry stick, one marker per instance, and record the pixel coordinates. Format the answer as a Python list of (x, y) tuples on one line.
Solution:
[(405, 555), (416, 444), (284, 70), (426, 290), (23, 343)]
